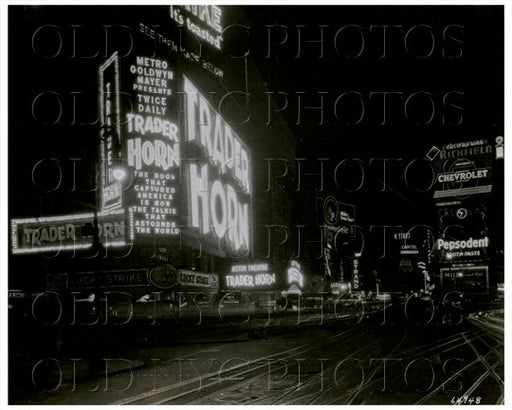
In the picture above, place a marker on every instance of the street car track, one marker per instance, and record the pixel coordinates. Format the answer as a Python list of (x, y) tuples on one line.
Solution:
[(452, 342), (152, 395), (491, 370), (301, 395), (245, 382), (243, 377), (160, 395), (300, 390), (287, 392)]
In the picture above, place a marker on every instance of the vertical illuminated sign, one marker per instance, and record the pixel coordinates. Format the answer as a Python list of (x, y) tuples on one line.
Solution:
[(111, 190), (219, 182), (295, 274), (355, 273), (152, 150)]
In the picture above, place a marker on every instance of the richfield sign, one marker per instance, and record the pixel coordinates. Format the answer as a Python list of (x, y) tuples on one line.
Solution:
[(464, 169)]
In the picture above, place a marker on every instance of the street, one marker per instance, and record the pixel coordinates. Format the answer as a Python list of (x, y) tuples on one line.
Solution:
[(380, 360)]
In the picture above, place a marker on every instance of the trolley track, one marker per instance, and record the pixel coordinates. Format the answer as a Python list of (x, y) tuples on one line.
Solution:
[(251, 383), (298, 385), (191, 389)]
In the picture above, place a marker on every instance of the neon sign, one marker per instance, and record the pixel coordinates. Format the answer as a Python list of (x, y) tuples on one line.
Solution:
[(295, 274), (250, 280), (111, 192), (463, 169), (255, 267), (355, 276), (64, 233), (152, 151), (470, 278), (466, 249), (464, 244), (220, 186), (206, 23), (250, 275), (189, 277)]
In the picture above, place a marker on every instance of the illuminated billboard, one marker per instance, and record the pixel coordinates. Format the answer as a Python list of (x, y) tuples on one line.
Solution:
[(152, 150), (471, 279), (218, 178), (471, 248), (154, 132), (295, 275), (197, 279), (464, 169), (104, 279), (204, 21), (250, 276), (111, 190), (356, 280), (463, 234), (153, 175), (66, 233)]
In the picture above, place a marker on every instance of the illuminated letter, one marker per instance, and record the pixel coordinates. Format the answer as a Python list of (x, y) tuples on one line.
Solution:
[(191, 93), (218, 225), (198, 189), (148, 153), (173, 154), (228, 149), (237, 155), (218, 147), (243, 224), (245, 171), (160, 155), (205, 128), (134, 153), (233, 224)]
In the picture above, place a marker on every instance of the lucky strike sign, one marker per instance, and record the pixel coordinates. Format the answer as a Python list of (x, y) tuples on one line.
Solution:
[(219, 180)]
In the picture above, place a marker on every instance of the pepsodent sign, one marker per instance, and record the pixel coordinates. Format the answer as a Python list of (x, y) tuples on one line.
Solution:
[(463, 244)]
